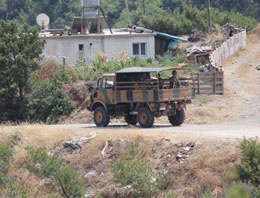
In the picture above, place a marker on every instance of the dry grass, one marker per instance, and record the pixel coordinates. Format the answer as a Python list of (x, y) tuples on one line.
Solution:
[(206, 168)]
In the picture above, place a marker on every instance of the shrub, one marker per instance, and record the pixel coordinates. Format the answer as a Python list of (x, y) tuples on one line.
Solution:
[(51, 70), (134, 171), (56, 171), (249, 169), (8, 185), (48, 101), (237, 191)]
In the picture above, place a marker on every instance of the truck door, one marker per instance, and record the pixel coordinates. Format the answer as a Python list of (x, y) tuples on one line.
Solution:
[(107, 90)]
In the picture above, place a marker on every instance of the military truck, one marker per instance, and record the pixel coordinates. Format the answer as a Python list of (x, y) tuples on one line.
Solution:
[(139, 94)]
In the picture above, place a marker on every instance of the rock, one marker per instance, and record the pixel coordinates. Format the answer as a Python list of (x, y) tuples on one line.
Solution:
[(191, 144), (187, 148), (75, 144), (179, 156), (258, 67)]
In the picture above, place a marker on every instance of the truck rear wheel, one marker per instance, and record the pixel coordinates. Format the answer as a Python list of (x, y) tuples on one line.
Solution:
[(131, 119), (177, 119), (145, 117), (101, 118)]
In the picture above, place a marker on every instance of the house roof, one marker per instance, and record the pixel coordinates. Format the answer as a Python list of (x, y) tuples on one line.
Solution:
[(145, 69)]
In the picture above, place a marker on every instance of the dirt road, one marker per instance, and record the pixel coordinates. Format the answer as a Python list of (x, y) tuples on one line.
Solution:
[(206, 131)]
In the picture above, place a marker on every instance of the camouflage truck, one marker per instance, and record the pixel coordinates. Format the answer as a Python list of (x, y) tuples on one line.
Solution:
[(139, 95)]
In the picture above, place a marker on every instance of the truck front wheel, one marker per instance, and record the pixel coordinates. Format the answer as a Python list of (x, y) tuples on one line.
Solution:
[(131, 119), (145, 117), (101, 118), (177, 119)]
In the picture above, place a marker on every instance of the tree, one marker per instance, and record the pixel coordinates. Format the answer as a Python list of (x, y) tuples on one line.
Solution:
[(20, 50)]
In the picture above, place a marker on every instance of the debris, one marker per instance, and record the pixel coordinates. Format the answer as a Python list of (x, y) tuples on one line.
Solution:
[(197, 36), (103, 150), (127, 187), (119, 145), (75, 144), (258, 67), (199, 54)]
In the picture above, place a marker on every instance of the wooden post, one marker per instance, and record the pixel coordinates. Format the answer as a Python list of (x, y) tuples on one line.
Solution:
[(63, 62), (198, 83), (209, 17), (143, 4), (127, 10), (214, 84), (103, 13)]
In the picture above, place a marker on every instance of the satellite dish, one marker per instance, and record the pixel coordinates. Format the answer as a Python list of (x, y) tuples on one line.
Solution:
[(43, 20)]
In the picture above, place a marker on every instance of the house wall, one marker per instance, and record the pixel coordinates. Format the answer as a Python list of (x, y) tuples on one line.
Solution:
[(68, 46)]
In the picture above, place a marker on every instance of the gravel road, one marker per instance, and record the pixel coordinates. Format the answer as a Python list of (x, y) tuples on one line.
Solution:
[(231, 130)]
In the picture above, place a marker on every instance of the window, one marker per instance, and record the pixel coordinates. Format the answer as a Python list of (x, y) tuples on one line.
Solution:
[(136, 49), (81, 50), (81, 47), (139, 49), (108, 83)]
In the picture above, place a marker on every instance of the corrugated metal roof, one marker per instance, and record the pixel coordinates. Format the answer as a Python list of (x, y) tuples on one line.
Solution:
[(145, 69)]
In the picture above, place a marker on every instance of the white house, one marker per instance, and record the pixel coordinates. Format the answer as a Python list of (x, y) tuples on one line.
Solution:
[(88, 46)]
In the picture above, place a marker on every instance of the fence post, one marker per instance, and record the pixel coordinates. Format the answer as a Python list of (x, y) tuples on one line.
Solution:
[(198, 83), (214, 84)]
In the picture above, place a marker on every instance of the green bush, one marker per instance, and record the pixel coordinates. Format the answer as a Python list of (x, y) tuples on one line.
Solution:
[(249, 169), (8, 185), (58, 173), (134, 171), (237, 191), (48, 101)]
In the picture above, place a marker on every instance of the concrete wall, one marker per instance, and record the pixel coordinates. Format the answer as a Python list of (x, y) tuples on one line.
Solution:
[(228, 48), (68, 46)]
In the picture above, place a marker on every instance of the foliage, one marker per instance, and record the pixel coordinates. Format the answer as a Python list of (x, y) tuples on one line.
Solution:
[(180, 22), (134, 171), (8, 185), (20, 49), (101, 65), (25, 11), (48, 100), (58, 174), (249, 169), (237, 191), (63, 11)]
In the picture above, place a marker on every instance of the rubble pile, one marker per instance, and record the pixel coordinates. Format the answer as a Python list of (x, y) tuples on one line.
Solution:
[(166, 154), (162, 156), (74, 145)]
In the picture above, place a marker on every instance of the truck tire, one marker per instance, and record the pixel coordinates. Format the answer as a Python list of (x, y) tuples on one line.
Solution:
[(145, 117), (177, 119), (101, 118), (131, 119)]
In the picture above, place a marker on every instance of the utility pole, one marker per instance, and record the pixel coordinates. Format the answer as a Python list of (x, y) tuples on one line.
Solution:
[(143, 2), (127, 10), (209, 17)]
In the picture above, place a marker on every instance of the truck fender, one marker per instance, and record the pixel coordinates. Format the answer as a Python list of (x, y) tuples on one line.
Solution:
[(97, 104)]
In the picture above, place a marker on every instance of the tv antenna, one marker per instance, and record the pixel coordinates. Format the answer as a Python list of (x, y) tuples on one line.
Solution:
[(43, 20)]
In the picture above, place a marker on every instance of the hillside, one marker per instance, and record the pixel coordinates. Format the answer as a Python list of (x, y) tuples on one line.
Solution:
[(62, 12)]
